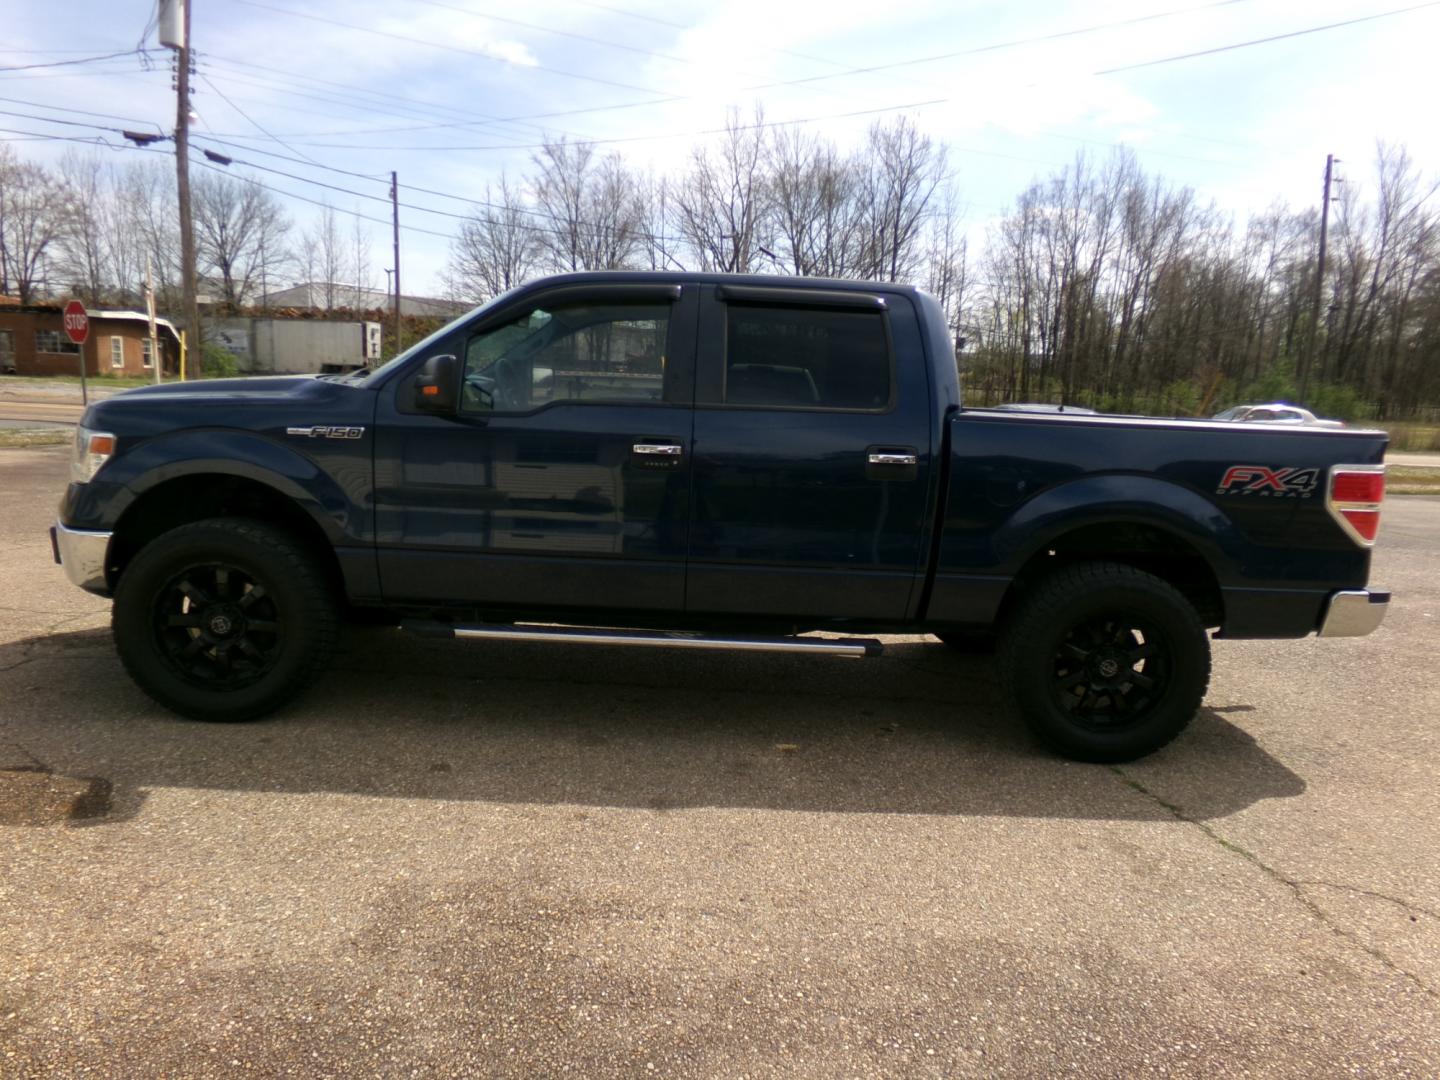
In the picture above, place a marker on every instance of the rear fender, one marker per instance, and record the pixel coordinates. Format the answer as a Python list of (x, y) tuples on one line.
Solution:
[(1120, 499)]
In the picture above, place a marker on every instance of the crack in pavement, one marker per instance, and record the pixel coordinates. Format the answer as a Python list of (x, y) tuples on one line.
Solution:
[(9, 746), (1297, 888), (1414, 909)]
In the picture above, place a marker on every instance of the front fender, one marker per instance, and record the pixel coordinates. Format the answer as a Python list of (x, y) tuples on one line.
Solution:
[(101, 503)]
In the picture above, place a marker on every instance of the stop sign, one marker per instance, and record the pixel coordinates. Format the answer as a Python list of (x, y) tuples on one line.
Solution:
[(77, 323)]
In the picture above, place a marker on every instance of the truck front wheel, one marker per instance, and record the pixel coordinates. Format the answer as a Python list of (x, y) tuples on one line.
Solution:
[(224, 619), (1105, 662)]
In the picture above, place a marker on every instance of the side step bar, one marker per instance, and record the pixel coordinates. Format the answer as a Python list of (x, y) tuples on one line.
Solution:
[(570, 635)]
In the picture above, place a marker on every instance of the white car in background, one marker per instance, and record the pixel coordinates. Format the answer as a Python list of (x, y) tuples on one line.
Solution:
[(1276, 413)]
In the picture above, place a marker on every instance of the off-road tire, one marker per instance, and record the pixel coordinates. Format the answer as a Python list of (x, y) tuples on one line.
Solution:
[(1076, 649), (252, 646)]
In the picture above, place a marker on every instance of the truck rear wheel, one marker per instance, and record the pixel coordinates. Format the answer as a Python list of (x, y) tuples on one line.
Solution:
[(224, 619), (1105, 662)]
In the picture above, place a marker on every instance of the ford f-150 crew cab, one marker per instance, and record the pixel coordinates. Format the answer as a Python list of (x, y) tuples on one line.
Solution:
[(710, 461)]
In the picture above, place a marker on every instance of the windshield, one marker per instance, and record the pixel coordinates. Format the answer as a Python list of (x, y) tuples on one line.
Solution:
[(384, 371)]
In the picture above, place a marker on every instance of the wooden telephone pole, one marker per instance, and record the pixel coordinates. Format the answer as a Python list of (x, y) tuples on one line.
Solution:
[(395, 225), (175, 33)]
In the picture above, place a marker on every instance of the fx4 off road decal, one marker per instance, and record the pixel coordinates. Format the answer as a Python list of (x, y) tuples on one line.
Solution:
[(1290, 483)]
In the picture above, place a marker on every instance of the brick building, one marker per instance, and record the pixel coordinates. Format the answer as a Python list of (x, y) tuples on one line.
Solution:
[(33, 342)]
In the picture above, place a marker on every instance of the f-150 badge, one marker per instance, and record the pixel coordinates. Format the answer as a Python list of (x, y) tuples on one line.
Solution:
[(1292, 482), (324, 432)]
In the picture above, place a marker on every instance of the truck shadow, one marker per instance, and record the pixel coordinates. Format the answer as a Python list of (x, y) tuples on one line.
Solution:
[(918, 731)]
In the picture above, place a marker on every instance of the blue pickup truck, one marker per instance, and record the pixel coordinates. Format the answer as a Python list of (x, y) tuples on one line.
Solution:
[(709, 461)]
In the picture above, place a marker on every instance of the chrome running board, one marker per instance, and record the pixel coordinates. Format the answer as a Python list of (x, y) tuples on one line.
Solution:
[(571, 635)]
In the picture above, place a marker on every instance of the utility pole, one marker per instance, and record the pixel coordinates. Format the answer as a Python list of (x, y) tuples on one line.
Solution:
[(1319, 281), (395, 223), (175, 32), (155, 360)]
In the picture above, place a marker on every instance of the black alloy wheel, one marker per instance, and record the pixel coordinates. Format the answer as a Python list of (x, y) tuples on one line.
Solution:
[(224, 619), (218, 626), (1105, 662), (1111, 670)]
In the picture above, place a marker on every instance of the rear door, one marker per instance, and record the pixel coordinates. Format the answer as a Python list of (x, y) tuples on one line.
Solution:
[(812, 454), (562, 483)]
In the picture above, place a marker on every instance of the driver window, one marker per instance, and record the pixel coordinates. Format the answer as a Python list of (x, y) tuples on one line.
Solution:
[(587, 352)]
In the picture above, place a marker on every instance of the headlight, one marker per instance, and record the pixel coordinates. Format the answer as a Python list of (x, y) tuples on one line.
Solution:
[(92, 449)]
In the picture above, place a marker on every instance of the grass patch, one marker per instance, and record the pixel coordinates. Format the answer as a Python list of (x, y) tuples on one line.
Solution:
[(100, 382), (1409, 435), (1411, 480), (21, 438)]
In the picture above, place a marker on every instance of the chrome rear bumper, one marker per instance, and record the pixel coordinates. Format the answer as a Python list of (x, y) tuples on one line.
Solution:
[(82, 554), (1354, 612)]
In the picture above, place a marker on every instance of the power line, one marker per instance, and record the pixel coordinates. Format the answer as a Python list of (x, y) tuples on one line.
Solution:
[(427, 109), (884, 109), (258, 126), (552, 30), (290, 107), (1001, 45), (296, 160), (993, 47), (108, 68), (58, 120), (78, 112), (82, 60), (639, 233), (317, 202), (580, 37), (929, 59), (681, 26), (92, 140), (1267, 40), (361, 106), (643, 138), (392, 36)]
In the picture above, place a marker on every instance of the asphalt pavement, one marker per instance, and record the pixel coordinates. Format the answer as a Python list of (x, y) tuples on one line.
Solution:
[(531, 861)]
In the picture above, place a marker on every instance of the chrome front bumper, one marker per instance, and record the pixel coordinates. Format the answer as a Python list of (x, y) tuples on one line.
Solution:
[(1354, 612), (82, 554)]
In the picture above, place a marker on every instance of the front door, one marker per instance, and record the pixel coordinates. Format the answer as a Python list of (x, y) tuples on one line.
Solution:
[(562, 483)]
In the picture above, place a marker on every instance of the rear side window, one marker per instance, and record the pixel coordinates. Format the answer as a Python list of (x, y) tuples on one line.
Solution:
[(806, 358)]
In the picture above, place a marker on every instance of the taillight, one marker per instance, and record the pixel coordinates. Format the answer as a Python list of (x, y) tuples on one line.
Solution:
[(1354, 498)]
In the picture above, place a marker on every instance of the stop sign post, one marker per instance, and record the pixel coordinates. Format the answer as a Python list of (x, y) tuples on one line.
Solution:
[(77, 329)]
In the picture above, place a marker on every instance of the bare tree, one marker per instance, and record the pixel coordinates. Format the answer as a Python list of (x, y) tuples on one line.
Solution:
[(722, 205), (904, 169), (322, 253), (661, 250), (33, 207), (83, 259), (616, 212), (814, 204), (146, 210), (360, 272), (239, 227), (591, 210), (498, 248), (947, 262)]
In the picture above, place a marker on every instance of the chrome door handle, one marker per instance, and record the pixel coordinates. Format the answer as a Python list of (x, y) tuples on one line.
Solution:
[(658, 449), (894, 459)]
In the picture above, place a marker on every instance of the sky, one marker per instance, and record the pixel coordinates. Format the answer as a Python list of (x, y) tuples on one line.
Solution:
[(451, 93)]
